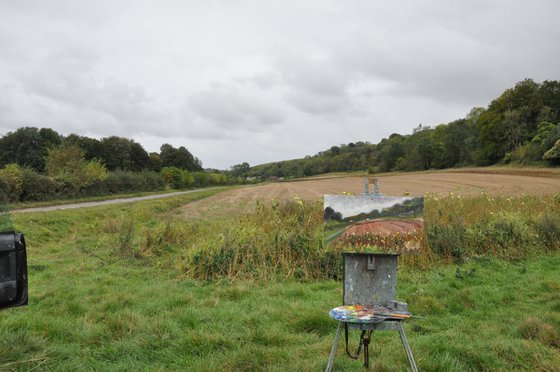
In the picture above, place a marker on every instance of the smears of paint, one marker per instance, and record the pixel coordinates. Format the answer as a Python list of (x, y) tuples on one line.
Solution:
[(365, 314)]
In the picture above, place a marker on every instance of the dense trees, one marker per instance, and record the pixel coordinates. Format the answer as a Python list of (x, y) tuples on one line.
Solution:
[(28, 147), (180, 158), (351, 157), (40, 164), (240, 170), (512, 120)]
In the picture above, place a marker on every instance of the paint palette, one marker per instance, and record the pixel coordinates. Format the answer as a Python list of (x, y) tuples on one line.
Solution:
[(366, 314)]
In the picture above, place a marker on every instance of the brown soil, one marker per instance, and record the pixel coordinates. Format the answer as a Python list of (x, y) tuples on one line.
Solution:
[(468, 183), (384, 227)]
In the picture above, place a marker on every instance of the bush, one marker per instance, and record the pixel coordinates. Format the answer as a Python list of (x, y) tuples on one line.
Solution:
[(24, 184), (547, 226), (11, 182), (123, 182), (37, 187)]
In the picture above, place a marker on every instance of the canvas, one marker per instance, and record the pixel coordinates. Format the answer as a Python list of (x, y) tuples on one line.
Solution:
[(370, 222)]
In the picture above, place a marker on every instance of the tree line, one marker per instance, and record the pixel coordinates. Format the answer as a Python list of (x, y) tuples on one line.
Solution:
[(521, 126), (29, 146), (41, 164)]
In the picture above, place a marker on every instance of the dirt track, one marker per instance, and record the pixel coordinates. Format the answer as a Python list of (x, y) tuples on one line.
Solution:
[(467, 184)]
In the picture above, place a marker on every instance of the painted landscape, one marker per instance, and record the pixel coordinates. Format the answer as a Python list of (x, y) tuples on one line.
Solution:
[(389, 224)]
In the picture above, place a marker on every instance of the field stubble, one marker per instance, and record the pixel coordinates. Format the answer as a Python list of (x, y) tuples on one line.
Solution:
[(464, 182)]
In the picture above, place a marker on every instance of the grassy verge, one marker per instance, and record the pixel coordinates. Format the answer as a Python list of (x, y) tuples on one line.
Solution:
[(97, 301)]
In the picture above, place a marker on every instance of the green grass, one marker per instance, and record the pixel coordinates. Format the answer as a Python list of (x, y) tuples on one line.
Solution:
[(98, 302)]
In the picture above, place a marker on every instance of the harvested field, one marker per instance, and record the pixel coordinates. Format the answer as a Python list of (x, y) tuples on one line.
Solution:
[(384, 227), (468, 183)]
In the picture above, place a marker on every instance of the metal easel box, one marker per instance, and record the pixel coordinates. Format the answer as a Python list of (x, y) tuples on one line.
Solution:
[(370, 278)]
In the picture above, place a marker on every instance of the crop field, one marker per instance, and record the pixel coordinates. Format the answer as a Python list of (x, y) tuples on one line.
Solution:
[(239, 280), (465, 182)]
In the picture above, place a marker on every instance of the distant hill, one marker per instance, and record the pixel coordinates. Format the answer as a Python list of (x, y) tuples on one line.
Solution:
[(521, 126)]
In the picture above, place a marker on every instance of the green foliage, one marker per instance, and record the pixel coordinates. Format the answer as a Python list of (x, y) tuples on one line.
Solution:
[(240, 170), (118, 153), (67, 165), (122, 181), (330, 214), (180, 158), (37, 187), (171, 176), (24, 184), (27, 147), (357, 156), (512, 119), (553, 155), (11, 181)]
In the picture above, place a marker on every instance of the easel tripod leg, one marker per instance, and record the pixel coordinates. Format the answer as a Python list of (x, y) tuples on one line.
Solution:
[(407, 349), (334, 348)]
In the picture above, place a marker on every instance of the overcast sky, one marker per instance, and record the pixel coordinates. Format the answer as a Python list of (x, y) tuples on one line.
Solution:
[(261, 80)]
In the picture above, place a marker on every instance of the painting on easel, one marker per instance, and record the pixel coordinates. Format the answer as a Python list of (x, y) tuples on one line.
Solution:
[(372, 221)]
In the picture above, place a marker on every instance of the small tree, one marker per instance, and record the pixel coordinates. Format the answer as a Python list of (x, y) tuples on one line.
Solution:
[(553, 155), (171, 176), (68, 165)]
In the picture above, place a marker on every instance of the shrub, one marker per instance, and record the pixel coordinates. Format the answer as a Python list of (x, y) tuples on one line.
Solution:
[(123, 182), (11, 182), (547, 226), (171, 176), (37, 187), (67, 165)]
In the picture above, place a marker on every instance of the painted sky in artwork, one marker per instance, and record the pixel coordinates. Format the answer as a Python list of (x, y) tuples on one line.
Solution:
[(348, 205)]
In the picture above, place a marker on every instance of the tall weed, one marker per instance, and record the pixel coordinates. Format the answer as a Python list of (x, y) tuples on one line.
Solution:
[(277, 239), (284, 239), (506, 227)]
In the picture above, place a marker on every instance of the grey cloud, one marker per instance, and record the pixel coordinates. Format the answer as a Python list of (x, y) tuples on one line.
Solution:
[(330, 71), (121, 104), (318, 104), (263, 80), (314, 85), (227, 106), (454, 52), (319, 76)]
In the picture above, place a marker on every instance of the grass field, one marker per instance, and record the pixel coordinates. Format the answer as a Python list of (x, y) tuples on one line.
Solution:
[(110, 290)]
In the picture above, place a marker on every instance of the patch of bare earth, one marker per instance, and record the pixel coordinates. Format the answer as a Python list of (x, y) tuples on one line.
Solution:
[(468, 183), (384, 227)]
